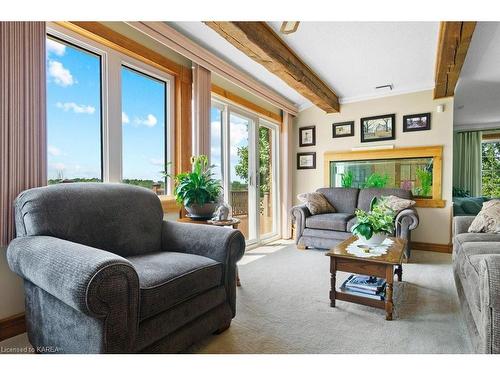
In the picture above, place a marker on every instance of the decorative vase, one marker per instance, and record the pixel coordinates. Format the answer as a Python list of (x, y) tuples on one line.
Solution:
[(375, 240), (203, 212)]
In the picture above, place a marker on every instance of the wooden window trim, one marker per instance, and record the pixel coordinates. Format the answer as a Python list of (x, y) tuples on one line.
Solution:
[(436, 152), (228, 96)]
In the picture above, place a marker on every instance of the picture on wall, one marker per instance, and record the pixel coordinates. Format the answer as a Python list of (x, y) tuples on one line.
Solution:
[(306, 160), (307, 136), (343, 129), (378, 128), (413, 123)]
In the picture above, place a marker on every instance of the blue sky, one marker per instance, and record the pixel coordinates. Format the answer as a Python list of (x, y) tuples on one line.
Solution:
[(74, 112), (238, 138)]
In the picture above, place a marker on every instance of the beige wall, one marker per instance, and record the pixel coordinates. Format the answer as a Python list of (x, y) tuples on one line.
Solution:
[(434, 222), (11, 289)]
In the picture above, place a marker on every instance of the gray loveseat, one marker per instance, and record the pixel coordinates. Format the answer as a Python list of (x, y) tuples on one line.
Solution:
[(103, 273), (476, 267), (326, 230)]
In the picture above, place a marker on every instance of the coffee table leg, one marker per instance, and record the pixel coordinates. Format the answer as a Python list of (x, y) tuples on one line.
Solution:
[(399, 272), (389, 278), (333, 271)]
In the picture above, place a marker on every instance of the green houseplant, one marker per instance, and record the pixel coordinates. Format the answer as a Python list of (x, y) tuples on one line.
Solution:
[(197, 190), (373, 227), (425, 178)]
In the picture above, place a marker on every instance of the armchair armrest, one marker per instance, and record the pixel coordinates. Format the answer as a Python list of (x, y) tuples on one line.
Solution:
[(461, 224), (299, 214), (95, 282), (406, 221), (223, 245)]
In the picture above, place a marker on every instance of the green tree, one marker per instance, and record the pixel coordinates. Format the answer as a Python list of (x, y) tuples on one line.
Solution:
[(264, 161), (491, 169)]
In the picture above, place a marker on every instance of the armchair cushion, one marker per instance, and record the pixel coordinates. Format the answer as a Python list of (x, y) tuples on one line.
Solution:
[(336, 221), (167, 278)]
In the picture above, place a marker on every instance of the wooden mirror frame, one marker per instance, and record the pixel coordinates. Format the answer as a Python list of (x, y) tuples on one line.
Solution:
[(434, 152)]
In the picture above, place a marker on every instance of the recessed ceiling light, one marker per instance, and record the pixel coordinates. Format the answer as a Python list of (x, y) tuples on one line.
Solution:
[(288, 27)]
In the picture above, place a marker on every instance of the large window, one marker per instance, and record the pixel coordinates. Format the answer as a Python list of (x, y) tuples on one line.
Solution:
[(491, 168), (109, 115), (143, 123), (73, 113)]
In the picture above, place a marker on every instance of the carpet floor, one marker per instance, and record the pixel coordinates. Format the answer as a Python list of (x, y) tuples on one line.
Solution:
[(283, 307)]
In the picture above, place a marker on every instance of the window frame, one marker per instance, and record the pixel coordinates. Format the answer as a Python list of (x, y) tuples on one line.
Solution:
[(111, 104)]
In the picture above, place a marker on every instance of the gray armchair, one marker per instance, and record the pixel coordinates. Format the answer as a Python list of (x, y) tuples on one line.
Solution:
[(326, 230), (103, 273)]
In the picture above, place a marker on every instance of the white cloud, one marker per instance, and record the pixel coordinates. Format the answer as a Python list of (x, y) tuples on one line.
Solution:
[(77, 108), (58, 166), (55, 47), (158, 162), (149, 121), (125, 118), (53, 151), (60, 74)]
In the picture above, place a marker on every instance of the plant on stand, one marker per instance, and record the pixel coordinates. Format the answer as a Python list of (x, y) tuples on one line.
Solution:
[(197, 190), (374, 226)]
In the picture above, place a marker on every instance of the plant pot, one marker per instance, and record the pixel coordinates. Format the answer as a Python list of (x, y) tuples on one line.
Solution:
[(375, 240), (203, 212)]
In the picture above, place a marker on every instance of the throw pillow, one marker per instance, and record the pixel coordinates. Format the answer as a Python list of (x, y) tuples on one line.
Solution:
[(398, 204), (488, 219), (316, 203)]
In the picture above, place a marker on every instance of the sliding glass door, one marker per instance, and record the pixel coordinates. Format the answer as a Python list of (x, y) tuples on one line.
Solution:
[(244, 151)]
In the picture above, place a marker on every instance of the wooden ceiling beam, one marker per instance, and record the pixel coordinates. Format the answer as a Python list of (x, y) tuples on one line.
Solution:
[(258, 41), (453, 44)]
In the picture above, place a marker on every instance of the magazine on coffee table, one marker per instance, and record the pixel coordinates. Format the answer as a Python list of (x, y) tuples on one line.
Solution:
[(368, 283)]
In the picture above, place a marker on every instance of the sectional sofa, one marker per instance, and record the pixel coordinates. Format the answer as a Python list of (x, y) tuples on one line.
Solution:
[(476, 267)]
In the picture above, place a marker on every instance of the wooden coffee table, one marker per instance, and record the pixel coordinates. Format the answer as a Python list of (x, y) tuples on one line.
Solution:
[(380, 266)]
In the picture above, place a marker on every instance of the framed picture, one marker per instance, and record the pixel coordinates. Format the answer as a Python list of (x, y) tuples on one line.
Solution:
[(378, 128), (306, 160), (414, 123), (343, 129), (307, 136)]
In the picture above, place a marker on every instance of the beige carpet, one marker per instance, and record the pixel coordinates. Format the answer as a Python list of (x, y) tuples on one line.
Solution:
[(283, 307)]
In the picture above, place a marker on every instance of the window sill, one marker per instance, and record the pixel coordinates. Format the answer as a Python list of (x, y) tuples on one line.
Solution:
[(169, 204)]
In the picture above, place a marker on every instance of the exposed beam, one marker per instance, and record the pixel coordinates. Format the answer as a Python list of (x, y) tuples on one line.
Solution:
[(258, 41), (453, 44)]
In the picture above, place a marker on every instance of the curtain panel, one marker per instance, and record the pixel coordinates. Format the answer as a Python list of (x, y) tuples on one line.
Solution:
[(467, 161), (22, 115)]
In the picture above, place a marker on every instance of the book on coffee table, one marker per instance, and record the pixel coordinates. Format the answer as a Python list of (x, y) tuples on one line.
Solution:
[(378, 292), (362, 282)]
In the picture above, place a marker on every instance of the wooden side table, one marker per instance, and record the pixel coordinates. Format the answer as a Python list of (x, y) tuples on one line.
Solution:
[(379, 266), (223, 223)]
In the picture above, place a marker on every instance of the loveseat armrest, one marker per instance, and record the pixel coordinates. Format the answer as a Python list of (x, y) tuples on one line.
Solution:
[(489, 287), (461, 224), (406, 221), (93, 281), (299, 215)]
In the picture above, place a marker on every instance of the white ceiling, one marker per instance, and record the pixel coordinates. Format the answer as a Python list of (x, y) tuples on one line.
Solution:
[(477, 96), (351, 57)]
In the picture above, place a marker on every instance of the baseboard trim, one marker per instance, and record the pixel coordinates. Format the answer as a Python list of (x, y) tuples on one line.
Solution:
[(436, 247), (12, 326)]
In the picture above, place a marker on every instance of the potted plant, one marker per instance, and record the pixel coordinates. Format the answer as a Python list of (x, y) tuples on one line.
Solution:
[(197, 190), (374, 226)]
